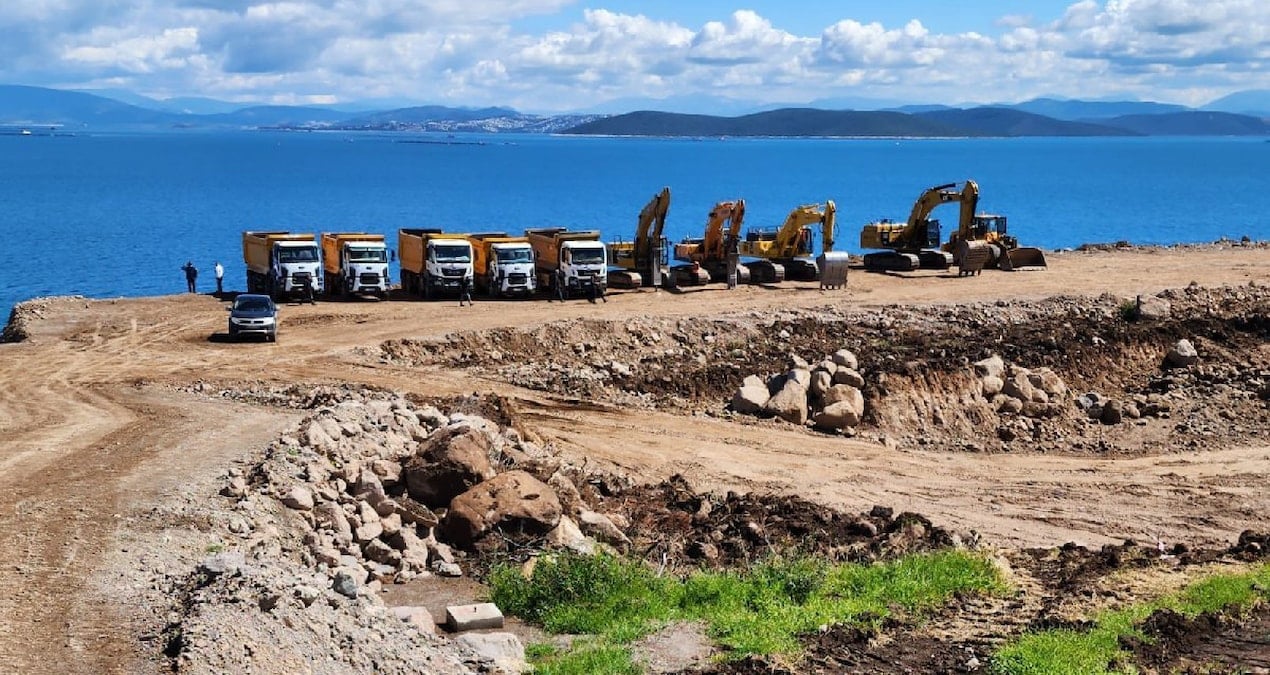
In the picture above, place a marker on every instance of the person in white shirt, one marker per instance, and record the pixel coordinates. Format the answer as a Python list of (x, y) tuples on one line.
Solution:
[(220, 278)]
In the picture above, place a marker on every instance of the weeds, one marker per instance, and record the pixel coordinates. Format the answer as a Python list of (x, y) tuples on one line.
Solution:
[(1098, 650)]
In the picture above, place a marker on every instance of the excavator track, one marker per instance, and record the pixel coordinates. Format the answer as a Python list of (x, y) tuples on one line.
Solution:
[(625, 279), (766, 272), (891, 261), (934, 260), (686, 275), (800, 269)]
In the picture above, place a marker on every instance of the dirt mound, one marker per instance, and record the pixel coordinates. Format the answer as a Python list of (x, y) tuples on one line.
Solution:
[(24, 316), (1208, 643), (675, 525)]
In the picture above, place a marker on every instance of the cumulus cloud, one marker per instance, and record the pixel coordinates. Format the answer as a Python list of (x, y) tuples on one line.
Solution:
[(471, 52)]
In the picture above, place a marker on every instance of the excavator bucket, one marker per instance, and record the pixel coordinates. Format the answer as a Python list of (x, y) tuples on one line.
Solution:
[(1024, 256)]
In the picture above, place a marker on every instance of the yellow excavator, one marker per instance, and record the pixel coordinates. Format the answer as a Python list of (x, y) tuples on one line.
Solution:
[(708, 256), (916, 243), (791, 246), (641, 260), (983, 240)]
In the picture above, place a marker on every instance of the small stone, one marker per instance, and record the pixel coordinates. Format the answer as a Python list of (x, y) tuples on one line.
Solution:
[(346, 584), (306, 594), (298, 498), (228, 563)]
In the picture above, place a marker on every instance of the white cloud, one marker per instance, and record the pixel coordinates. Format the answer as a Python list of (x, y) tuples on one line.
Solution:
[(470, 52)]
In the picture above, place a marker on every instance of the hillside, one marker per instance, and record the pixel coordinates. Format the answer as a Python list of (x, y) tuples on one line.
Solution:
[(1193, 123), (785, 122), (1076, 110), (1007, 122), (37, 105)]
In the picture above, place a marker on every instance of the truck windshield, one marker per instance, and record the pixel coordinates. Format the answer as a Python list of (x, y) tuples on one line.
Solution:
[(588, 256), (297, 255), (515, 255), (454, 254), (367, 255)]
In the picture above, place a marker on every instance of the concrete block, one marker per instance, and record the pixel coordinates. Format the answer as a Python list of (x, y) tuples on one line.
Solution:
[(473, 617)]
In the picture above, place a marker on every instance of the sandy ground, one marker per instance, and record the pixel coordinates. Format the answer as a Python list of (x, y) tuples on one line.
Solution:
[(94, 433)]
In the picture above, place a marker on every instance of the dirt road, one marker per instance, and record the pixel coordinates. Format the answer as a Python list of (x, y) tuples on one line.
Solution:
[(96, 430)]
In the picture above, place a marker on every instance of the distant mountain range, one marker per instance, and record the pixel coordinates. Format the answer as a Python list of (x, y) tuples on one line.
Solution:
[(73, 111)]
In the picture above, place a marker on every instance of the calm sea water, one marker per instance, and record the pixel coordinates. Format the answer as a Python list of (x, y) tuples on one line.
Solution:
[(117, 215)]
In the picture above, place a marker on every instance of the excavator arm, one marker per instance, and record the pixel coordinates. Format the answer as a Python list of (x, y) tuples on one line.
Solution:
[(653, 216), (732, 213), (829, 226)]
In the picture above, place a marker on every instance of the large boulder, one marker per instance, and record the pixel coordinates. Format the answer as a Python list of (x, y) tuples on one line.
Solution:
[(845, 393), (840, 415), (849, 377), (452, 461), (1182, 354), (513, 502), (800, 375), (790, 403), (750, 398), (821, 380), (993, 366), (1019, 386), (846, 358)]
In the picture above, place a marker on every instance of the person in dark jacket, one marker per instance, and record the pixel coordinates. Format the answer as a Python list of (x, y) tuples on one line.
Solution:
[(191, 274)]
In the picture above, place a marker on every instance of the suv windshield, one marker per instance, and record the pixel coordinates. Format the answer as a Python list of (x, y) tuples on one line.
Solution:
[(367, 255), (296, 255), (515, 255), (453, 254), (251, 304)]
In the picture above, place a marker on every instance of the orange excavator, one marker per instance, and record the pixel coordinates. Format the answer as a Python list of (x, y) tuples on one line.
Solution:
[(791, 247), (708, 256)]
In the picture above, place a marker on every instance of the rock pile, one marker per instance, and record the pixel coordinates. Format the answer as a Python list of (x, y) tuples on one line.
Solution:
[(1015, 390), (389, 491), (827, 396)]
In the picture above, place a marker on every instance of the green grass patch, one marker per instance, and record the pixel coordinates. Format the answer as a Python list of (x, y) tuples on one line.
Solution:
[(590, 658), (762, 610), (1097, 650)]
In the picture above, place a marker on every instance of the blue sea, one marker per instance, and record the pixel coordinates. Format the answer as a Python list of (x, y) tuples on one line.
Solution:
[(107, 215)]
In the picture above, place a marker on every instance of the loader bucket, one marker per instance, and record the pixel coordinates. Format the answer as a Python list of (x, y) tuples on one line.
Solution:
[(1024, 256)]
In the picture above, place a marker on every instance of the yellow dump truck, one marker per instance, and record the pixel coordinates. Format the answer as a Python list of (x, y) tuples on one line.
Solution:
[(504, 265), (571, 263), (434, 262), (356, 263), (282, 264)]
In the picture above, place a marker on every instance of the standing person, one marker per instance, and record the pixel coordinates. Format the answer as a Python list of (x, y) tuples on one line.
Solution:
[(465, 291), (220, 279), (560, 284), (191, 273)]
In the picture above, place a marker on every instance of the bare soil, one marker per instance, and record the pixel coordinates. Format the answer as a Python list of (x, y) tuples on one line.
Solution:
[(111, 409)]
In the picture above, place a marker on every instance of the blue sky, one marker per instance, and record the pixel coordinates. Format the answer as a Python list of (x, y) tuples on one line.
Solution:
[(561, 55)]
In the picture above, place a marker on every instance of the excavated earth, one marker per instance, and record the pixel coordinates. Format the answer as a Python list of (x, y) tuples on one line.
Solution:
[(173, 501)]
